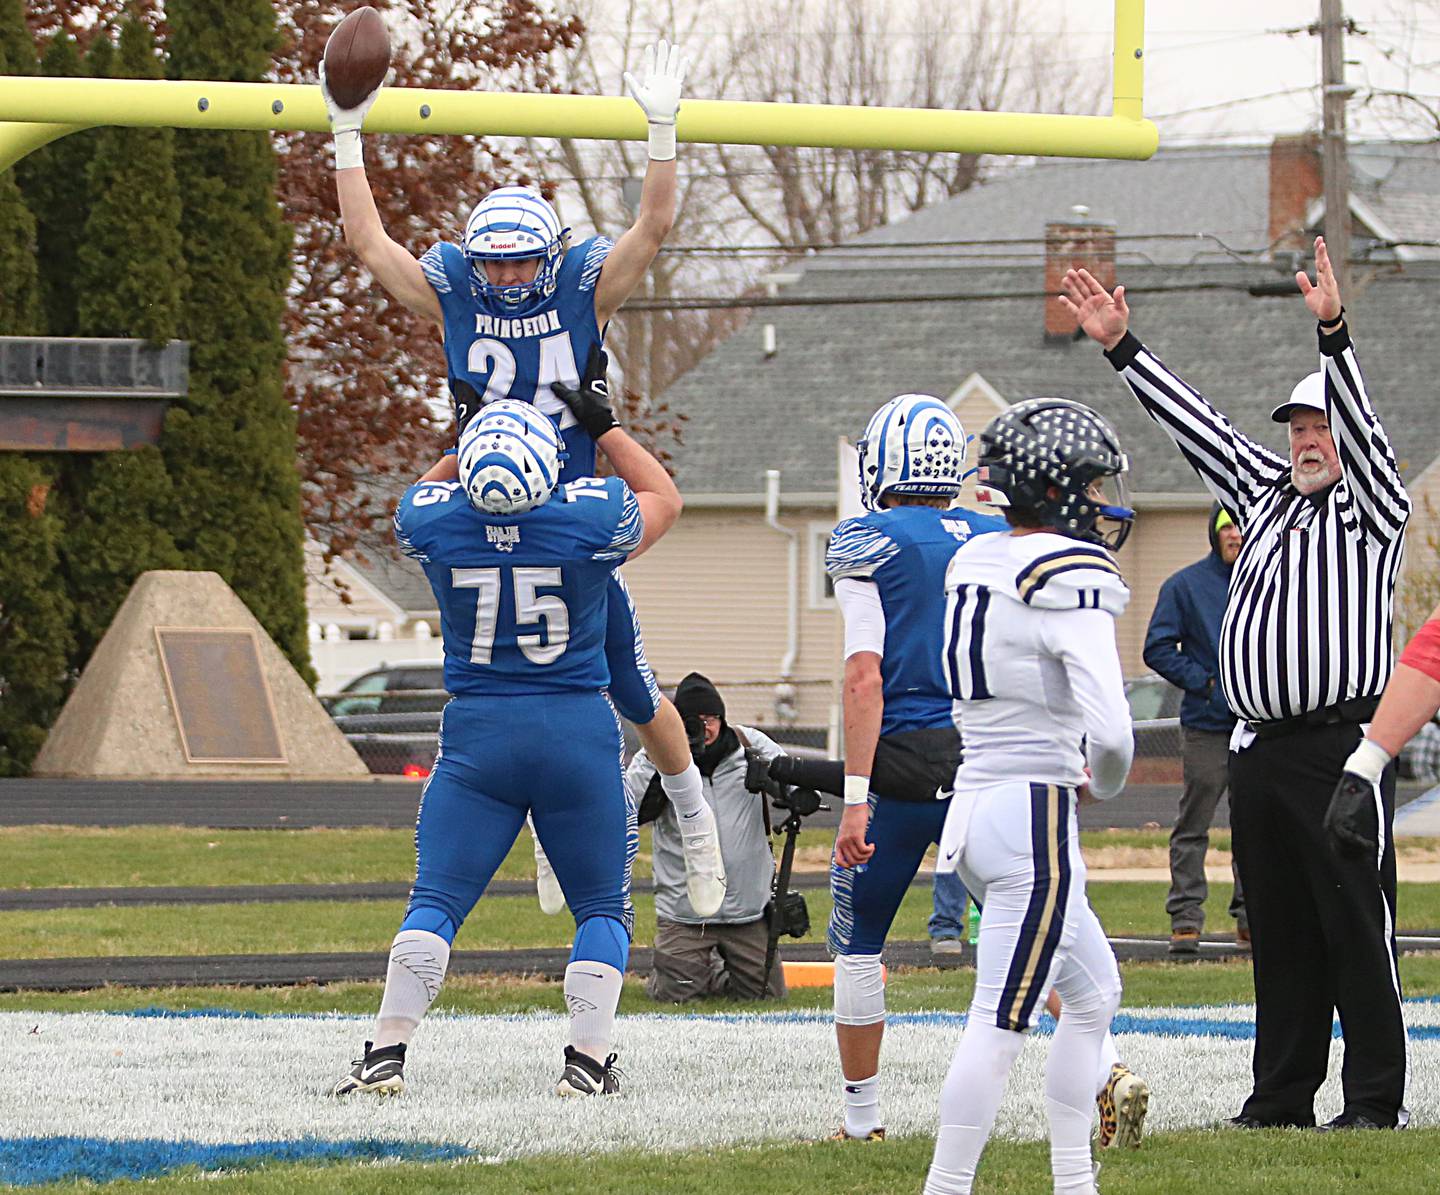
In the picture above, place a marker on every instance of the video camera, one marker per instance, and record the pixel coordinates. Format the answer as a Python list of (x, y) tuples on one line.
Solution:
[(794, 799)]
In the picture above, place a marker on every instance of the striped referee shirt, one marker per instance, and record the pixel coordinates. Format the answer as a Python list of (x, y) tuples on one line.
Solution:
[(1308, 621)]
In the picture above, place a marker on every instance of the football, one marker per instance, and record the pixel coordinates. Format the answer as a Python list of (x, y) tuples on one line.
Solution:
[(357, 57)]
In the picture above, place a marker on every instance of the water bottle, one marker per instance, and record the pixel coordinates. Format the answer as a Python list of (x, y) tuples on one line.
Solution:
[(974, 923)]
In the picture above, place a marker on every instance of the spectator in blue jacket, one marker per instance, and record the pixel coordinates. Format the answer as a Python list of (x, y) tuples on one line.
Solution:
[(1181, 646)]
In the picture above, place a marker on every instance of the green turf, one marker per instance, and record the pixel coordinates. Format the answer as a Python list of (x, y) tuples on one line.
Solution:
[(303, 927), (182, 856), (1191, 1163)]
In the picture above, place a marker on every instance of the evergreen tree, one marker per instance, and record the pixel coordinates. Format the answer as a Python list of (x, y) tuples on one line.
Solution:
[(34, 609), (129, 265), (20, 309), (34, 612), (50, 179), (231, 446), (119, 505)]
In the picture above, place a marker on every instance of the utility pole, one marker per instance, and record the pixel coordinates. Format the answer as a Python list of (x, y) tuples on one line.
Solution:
[(1335, 162)]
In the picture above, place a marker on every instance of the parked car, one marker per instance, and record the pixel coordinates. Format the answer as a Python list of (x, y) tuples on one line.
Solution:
[(416, 686), (1155, 714), (391, 716)]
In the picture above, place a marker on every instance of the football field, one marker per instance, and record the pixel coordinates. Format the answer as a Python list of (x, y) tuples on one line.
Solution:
[(109, 1096)]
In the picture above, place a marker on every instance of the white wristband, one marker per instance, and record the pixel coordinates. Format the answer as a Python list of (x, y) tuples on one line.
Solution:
[(1368, 760), (662, 142), (348, 153), (857, 790)]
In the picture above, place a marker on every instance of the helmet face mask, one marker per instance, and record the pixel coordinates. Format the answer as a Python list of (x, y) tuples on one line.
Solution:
[(913, 446), (513, 224), (510, 456), (1061, 462)]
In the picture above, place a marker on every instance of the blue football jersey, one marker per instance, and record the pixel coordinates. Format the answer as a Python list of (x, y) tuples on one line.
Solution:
[(522, 598), (519, 358), (905, 551)]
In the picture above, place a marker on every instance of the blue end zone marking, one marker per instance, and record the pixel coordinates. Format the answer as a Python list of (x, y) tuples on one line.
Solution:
[(29, 1161)]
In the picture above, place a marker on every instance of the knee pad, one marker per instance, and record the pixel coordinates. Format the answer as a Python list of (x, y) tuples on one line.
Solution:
[(859, 989), (433, 920), (602, 940)]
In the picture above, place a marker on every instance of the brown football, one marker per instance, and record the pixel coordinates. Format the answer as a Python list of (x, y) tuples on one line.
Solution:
[(357, 57)]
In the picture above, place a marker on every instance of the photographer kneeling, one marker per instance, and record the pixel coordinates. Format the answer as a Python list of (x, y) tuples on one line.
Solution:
[(725, 955)]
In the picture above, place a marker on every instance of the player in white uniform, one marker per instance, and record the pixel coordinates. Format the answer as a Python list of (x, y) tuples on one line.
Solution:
[(1031, 660)]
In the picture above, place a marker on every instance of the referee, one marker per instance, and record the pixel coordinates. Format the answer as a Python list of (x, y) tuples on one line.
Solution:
[(1305, 651)]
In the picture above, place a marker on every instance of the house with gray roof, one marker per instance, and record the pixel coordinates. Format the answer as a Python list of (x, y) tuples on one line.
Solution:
[(957, 301)]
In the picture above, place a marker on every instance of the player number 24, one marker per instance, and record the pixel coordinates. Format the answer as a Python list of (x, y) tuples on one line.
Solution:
[(531, 606)]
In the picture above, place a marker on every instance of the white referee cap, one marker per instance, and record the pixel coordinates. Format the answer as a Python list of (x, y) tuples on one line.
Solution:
[(1309, 392)]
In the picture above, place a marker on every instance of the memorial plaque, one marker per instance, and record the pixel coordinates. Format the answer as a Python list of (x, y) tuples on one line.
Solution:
[(219, 694)]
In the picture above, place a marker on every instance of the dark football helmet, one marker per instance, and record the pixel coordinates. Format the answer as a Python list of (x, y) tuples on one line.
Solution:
[(1061, 461)]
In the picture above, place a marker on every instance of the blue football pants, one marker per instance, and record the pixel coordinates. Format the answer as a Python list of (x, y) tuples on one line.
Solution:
[(556, 757)]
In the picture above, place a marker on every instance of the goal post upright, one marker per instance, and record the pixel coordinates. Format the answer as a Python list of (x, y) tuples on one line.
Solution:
[(37, 109)]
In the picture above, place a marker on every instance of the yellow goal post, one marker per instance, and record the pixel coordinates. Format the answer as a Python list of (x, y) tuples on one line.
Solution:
[(37, 110)]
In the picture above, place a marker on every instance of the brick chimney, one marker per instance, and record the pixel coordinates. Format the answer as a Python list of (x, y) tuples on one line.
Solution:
[(1296, 181), (1075, 243)]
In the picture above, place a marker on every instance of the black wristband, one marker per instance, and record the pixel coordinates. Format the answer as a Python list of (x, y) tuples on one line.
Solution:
[(1329, 327)]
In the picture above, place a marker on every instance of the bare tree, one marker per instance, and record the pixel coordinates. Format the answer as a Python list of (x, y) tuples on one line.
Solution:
[(744, 211)]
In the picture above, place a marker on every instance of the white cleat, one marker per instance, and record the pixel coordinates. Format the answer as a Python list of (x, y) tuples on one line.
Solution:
[(704, 867), (547, 887)]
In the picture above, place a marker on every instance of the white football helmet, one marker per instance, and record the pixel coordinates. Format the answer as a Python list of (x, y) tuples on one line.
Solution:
[(509, 224), (510, 457), (914, 445)]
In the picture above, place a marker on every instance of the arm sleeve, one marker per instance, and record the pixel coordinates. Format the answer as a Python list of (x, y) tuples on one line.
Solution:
[(407, 531), (858, 549), (1371, 478), (629, 527), (596, 251), (1234, 468), (1163, 645), (864, 615), (1084, 640), (432, 265)]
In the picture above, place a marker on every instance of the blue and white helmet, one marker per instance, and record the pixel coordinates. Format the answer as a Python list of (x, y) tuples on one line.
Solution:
[(915, 446), (509, 458), (509, 224)]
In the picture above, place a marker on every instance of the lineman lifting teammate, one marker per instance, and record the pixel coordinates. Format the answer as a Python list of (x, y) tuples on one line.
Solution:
[(1031, 659), (901, 745), (522, 312), (521, 580)]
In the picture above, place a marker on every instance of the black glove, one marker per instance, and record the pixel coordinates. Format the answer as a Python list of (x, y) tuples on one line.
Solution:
[(467, 404), (756, 771), (591, 403), (1350, 822)]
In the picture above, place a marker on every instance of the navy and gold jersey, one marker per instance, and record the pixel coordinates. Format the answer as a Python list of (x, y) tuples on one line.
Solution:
[(522, 598), (905, 551), (518, 358)]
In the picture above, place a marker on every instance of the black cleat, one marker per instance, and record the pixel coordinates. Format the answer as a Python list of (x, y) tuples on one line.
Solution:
[(381, 1071), (584, 1076)]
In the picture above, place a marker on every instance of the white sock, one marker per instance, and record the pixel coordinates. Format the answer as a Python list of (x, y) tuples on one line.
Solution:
[(969, 1101), (418, 960), (862, 1106), (685, 792), (592, 992), (1070, 1070), (1109, 1057)]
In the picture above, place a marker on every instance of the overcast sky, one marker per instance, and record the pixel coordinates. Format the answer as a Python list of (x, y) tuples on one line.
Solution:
[(1221, 56)]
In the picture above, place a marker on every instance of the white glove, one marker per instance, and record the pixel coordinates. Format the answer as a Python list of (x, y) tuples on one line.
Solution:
[(658, 94), (345, 125), (547, 887)]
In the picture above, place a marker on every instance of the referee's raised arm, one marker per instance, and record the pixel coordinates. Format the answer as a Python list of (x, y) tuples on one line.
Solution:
[(1367, 460), (1234, 468)]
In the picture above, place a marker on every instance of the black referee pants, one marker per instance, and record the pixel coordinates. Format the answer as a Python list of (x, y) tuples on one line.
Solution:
[(1322, 930)]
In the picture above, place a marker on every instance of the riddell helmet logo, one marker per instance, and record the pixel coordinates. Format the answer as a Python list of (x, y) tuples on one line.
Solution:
[(504, 244)]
